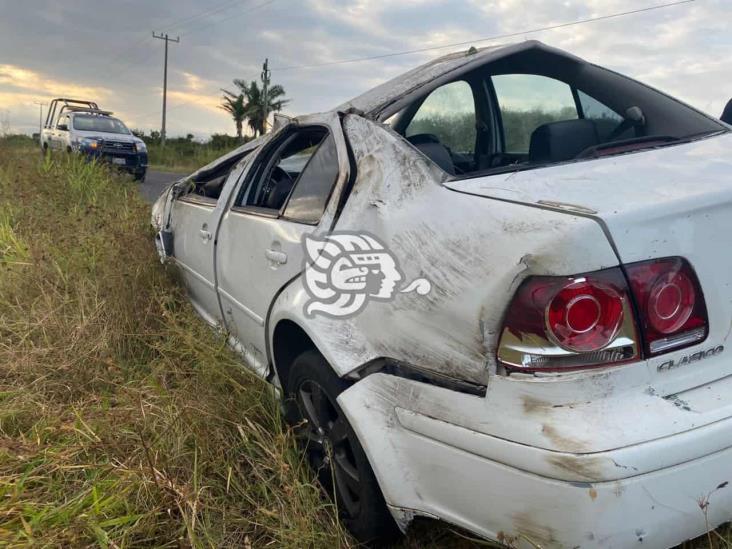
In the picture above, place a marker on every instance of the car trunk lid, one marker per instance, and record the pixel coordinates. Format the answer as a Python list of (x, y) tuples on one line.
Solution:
[(672, 201)]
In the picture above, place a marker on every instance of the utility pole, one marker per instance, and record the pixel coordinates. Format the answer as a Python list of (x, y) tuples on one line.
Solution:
[(165, 79), (265, 102)]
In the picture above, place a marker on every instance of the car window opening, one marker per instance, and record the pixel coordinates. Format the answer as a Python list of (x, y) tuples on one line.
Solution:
[(272, 181), (535, 109), (208, 184)]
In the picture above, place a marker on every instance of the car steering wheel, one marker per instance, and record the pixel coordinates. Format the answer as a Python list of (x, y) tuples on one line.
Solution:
[(276, 177)]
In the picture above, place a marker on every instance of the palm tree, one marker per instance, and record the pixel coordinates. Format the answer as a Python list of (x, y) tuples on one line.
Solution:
[(234, 104), (255, 105)]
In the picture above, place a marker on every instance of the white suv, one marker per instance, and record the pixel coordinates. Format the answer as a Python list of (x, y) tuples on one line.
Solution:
[(81, 127)]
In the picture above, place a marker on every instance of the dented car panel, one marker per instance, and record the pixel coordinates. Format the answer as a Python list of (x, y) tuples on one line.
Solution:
[(389, 198), (524, 498), (615, 454)]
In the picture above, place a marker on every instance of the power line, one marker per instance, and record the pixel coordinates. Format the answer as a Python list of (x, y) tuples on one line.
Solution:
[(206, 13), (488, 39), (143, 55), (251, 9)]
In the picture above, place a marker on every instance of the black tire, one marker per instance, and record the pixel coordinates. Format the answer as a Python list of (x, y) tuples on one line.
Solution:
[(328, 439), (140, 177)]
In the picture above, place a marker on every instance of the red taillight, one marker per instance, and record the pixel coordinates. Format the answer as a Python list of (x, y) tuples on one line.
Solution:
[(586, 321), (584, 316), (670, 303), (562, 323)]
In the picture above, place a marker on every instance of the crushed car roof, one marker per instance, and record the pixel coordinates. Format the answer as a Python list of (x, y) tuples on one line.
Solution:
[(385, 99), (376, 102)]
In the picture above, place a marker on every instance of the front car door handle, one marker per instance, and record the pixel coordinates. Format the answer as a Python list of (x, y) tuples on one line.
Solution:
[(205, 235), (274, 256)]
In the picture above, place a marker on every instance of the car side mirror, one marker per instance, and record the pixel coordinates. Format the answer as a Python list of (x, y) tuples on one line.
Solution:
[(62, 127)]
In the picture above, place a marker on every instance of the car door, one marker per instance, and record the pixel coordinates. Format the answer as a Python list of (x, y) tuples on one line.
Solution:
[(259, 246), (193, 222), (60, 132)]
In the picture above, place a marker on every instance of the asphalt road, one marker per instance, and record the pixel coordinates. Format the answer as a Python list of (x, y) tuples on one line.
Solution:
[(156, 182)]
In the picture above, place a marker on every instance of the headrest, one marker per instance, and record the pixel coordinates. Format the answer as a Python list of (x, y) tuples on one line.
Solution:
[(420, 138), (439, 155), (561, 141)]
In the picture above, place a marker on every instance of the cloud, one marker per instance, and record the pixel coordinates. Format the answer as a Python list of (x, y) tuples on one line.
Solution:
[(102, 53), (193, 82), (198, 100), (22, 88), (23, 82)]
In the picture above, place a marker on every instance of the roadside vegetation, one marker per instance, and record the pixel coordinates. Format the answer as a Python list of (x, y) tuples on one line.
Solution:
[(124, 420), (184, 154)]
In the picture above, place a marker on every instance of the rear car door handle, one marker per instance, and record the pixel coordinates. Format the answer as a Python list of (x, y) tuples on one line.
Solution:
[(276, 257), (205, 235)]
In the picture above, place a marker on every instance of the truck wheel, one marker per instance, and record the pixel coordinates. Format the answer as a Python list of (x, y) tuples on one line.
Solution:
[(333, 449)]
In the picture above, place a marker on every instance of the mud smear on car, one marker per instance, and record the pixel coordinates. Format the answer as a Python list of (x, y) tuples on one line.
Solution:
[(536, 534), (589, 468)]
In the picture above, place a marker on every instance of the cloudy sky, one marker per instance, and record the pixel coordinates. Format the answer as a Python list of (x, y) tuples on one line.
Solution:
[(104, 50)]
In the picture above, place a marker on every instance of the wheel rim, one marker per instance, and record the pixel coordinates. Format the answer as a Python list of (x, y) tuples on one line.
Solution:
[(325, 435)]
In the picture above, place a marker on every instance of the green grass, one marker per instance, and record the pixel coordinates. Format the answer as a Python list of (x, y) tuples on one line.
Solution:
[(124, 420), (183, 156)]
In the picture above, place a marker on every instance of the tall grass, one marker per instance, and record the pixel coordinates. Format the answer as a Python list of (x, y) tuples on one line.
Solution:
[(123, 420), (183, 156)]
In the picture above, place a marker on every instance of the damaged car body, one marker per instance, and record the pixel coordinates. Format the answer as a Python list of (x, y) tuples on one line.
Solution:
[(496, 291)]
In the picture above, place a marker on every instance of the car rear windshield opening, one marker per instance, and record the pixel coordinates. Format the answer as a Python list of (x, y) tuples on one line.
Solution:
[(538, 108)]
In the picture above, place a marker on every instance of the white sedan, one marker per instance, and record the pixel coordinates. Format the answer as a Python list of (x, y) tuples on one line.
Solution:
[(495, 291)]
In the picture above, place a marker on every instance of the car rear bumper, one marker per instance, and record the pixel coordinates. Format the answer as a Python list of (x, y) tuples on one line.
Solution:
[(528, 496)]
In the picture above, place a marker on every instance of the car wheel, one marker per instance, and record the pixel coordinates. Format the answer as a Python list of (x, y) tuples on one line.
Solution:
[(334, 451), (140, 177)]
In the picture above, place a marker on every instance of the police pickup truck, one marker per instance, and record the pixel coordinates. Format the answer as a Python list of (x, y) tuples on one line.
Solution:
[(77, 126)]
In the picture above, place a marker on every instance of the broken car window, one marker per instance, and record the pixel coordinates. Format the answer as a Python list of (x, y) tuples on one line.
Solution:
[(275, 176), (605, 119), (448, 113), (527, 101), (206, 185), (535, 109), (308, 200)]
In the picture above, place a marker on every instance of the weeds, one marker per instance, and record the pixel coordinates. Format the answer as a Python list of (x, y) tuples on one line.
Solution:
[(183, 156), (124, 420)]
